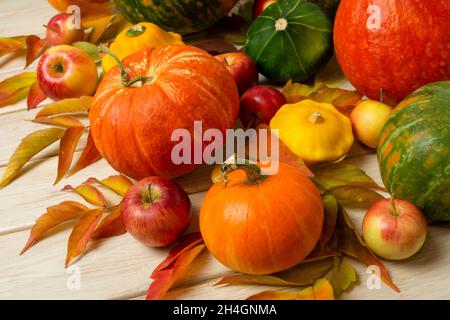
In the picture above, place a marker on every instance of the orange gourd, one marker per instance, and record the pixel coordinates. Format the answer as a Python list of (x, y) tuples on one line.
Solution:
[(261, 225), (164, 89)]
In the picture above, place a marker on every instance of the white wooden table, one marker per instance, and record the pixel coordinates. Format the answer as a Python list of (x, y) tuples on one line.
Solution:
[(119, 268)]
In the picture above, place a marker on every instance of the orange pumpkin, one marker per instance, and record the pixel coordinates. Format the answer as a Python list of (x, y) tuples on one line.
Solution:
[(159, 90), (262, 224)]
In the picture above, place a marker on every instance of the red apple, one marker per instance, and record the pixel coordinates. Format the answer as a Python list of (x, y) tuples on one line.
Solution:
[(394, 229), (67, 72), (368, 118), (260, 5), (243, 69), (259, 104), (155, 211), (61, 30)]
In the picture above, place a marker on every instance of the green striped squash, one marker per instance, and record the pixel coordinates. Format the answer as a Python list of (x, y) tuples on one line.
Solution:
[(181, 16), (414, 150), (290, 40)]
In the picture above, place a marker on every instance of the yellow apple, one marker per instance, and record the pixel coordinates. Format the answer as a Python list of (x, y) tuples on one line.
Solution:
[(368, 118)]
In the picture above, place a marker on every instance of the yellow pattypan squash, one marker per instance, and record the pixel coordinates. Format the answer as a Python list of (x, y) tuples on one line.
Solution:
[(316, 132), (137, 37)]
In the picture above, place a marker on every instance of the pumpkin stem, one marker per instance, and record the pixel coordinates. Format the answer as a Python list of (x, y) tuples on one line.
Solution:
[(281, 24), (315, 118), (252, 170), (138, 81)]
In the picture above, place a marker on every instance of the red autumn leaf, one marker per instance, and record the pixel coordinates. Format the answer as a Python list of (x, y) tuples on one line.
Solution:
[(186, 243), (66, 121), (164, 279), (35, 48), (66, 150), (89, 155), (9, 45), (16, 88), (71, 105), (321, 290), (81, 234), (89, 193), (351, 243), (110, 226), (35, 96), (117, 183), (54, 216)]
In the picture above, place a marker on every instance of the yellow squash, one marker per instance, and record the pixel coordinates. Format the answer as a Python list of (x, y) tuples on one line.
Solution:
[(137, 37), (316, 132)]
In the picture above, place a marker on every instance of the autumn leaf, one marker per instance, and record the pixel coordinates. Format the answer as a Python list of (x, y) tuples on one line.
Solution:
[(321, 290), (9, 45), (342, 276), (81, 234), (31, 145), (89, 155), (284, 154), (35, 48), (295, 92), (88, 8), (100, 25), (89, 193), (351, 243), (355, 196), (186, 243), (216, 46), (66, 121), (35, 96), (72, 105), (344, 174), (331, 75), (55, 215), (66, 150), (300, 275), (164, 279), (16, 88), (329, 225), (110, 226), (117, 183)]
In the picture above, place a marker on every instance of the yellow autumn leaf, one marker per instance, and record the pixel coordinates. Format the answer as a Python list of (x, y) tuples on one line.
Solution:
[(72, 105), (31, 145), (16, 88)]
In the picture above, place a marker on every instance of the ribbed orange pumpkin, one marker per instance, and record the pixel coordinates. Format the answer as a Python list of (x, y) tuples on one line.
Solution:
[(263, 225), (132, 126)]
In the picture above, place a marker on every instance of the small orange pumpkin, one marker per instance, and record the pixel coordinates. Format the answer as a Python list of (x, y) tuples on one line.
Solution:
[(156, 91), (262, 224)]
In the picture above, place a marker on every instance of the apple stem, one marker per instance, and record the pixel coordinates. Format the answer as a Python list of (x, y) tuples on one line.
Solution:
[(394, 207), (381, 95), (252, 122), (50, 28), (139, 80), (252, 170)]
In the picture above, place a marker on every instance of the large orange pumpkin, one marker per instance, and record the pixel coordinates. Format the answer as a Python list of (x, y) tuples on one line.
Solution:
[(394, 45), (132, 125), (261, 225)]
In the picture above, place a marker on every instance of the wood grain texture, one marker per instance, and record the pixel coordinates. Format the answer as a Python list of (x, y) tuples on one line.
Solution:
[(119, 268)]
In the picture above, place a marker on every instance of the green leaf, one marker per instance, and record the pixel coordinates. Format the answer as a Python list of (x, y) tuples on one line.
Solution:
[(355, 196), (90, 49), (330, 209), (300, 275), (344, 174), (342, 276)]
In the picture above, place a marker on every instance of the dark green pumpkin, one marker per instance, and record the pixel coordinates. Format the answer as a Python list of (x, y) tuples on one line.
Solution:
[(290, 40), (182, 16), (414, 151)]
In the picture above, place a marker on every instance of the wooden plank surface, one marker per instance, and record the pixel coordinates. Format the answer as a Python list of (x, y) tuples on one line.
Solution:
[(119, 268)]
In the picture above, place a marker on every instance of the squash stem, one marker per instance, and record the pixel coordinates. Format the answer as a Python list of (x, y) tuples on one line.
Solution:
[(252, 170), (123, 71), (315, 118)]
